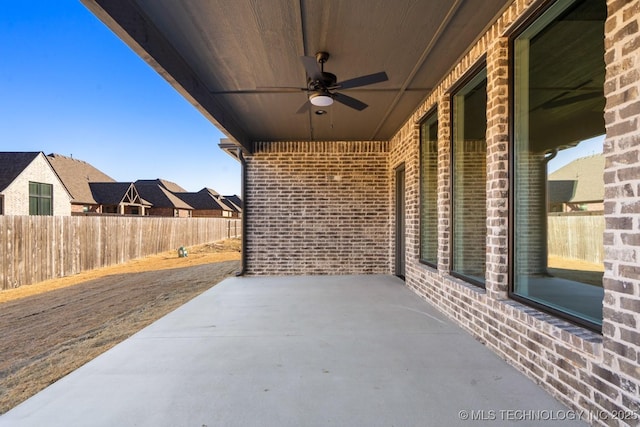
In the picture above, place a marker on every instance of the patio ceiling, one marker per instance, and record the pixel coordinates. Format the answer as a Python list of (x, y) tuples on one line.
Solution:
[(227, 56)]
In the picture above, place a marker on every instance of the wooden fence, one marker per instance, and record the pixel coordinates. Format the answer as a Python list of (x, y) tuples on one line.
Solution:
[(577, 236), (37, 248)]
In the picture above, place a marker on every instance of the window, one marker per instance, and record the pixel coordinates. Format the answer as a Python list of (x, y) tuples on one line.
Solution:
[(429, 190), (558, 187), (40, 199), (469, 159)]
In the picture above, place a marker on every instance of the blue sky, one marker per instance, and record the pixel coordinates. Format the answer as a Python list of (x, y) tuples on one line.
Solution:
[(68, 85), (587, 147)]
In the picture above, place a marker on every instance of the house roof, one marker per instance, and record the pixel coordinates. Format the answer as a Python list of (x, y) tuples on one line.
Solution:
[(12, 164), (76, 175), (240, 64), (211, 191), (580, 181), (204, 199), (115, 193), (168, 185), (235, 199), (156, 194)]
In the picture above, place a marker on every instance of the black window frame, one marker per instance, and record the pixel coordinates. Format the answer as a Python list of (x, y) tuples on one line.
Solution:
[(513, 36), (479, 67), (433, 113), (38, 196)]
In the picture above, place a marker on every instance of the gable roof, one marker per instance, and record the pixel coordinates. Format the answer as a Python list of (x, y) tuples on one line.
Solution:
[(205, 199), (155, 193), (235, 199), (211, 191), (12, 164), (115, 193), (76, 175), (168, 185), (582, 180)]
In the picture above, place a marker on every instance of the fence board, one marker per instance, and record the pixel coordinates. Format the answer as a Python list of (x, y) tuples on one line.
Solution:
[(36, 248), (577, 237)]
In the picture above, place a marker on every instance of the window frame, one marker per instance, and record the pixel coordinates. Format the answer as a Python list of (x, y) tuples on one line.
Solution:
[(470, 76), (431, 114), (520, 29), (38, 197)]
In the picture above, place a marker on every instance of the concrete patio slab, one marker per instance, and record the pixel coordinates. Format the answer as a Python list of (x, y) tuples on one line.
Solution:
[(296, 351)]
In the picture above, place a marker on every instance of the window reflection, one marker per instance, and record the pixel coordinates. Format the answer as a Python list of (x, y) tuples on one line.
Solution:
[(469, 154), (559, 189), (429, 190)]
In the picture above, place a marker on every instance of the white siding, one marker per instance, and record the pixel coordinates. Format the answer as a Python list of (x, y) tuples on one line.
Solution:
[(16, 195)]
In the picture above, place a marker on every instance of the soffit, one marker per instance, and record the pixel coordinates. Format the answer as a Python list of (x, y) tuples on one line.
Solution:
[(226, 56)]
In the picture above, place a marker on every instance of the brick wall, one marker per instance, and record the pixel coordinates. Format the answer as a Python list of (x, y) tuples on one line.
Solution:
[(595, 373), (530, 258), (296, 225), (171, 212), (212, 213), (469, 178), (317, 208), (429, 210), (620, 370)]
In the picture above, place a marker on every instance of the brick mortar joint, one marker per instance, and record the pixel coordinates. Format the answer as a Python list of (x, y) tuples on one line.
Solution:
[(591, 343), (319, 147)]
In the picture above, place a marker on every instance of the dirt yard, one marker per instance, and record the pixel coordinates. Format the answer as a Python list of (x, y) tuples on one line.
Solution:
[(51, 328)]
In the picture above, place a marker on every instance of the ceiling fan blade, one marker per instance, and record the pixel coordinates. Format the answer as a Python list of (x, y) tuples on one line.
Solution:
[(363, 81), (349, 101), (277, 89), (311, 66)]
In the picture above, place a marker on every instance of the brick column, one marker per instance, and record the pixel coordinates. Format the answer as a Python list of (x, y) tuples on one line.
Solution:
[(444, 183), (497, 166), (622, 200)]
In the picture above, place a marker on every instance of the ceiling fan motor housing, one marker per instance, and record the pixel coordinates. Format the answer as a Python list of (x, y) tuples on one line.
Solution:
[(328, 80)]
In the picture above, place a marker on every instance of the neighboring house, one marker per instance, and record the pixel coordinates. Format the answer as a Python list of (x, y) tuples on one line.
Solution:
[(30, 186), (578, 186), (120, 198), (62, 185), (436, 172), (167, 185), (234, 203), (206, 203), (76, 176), (164, 203)]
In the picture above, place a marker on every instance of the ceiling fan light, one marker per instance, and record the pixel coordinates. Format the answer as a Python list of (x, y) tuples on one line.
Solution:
[(320, 99)]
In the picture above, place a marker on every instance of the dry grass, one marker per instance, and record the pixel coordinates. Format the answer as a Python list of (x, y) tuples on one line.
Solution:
[(51, 328), (575, 269), (226, 250)]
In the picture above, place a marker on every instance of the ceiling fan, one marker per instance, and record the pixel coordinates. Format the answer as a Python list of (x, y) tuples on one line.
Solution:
[(322, 86)]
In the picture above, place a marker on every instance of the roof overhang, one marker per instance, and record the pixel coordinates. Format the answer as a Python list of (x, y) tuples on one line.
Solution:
[(239, 62)]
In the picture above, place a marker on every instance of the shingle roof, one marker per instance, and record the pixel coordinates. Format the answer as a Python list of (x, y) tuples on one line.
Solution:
[(236, 200), (210, 191), (171, 186), (579, 181), (155, 193), (203, 199), (76, 175), (12, 164), (110, 193)]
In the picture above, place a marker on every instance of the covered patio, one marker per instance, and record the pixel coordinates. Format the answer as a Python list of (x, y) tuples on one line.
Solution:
[(297, 351)]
